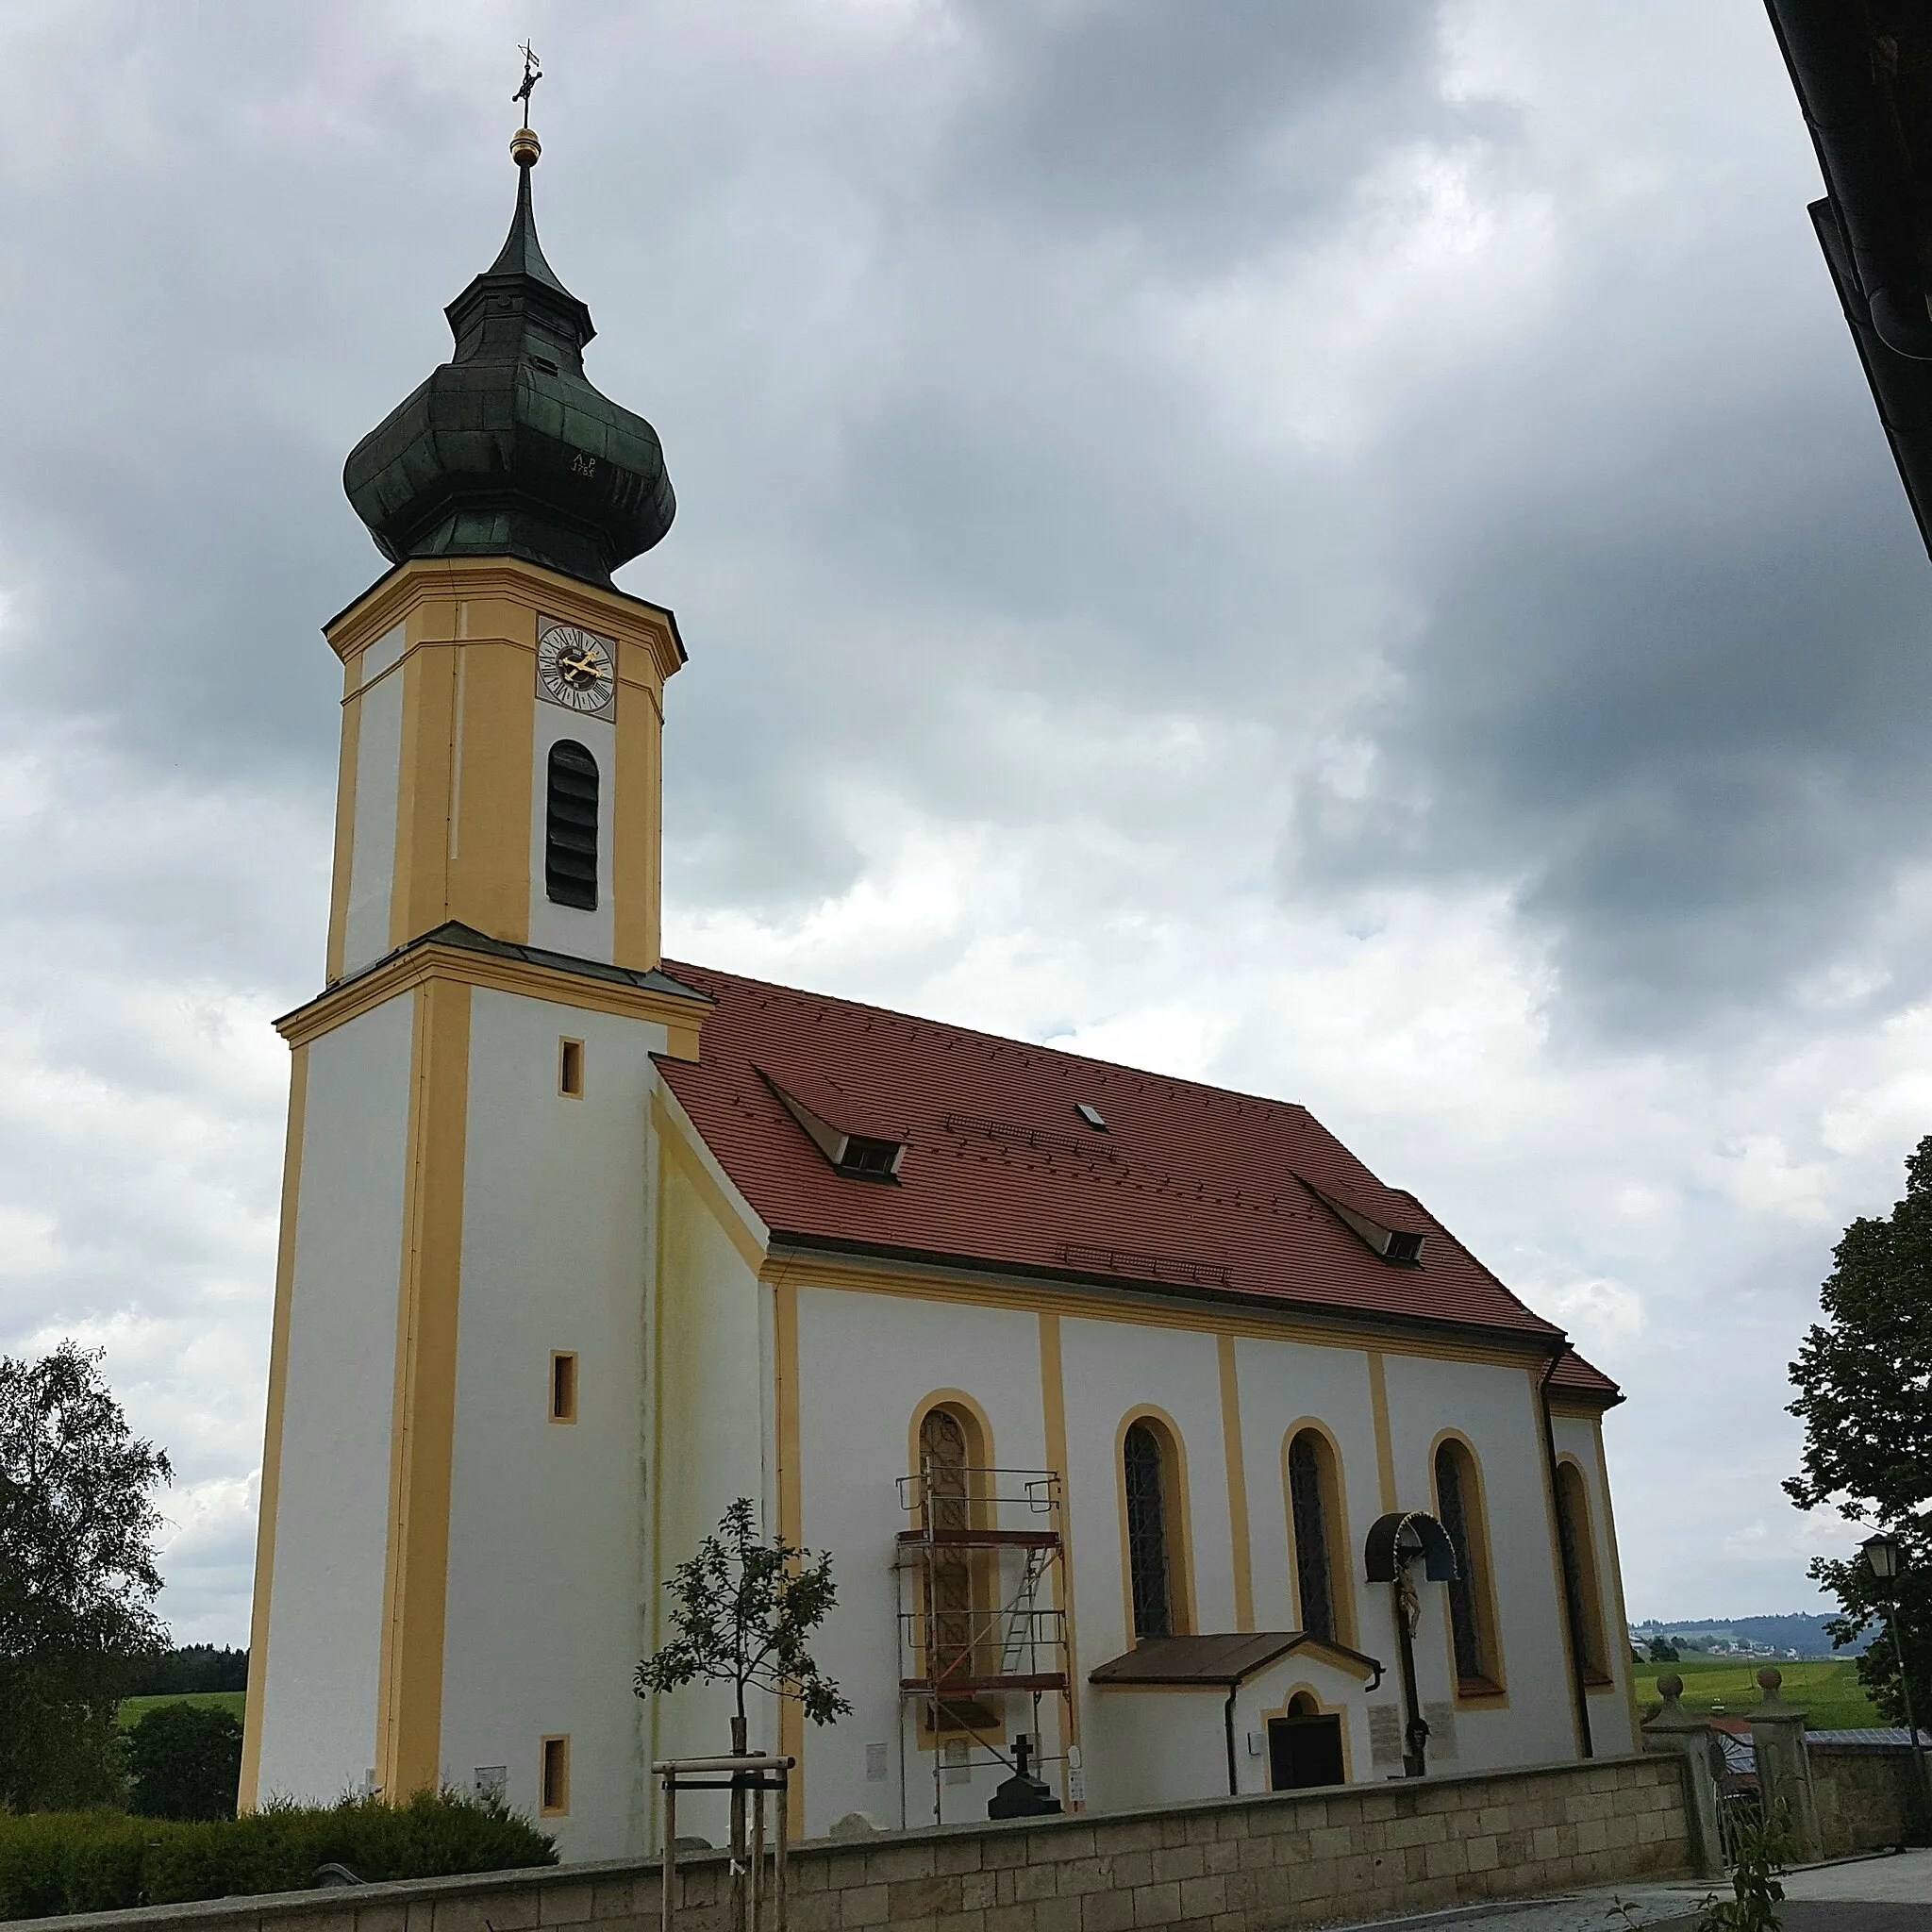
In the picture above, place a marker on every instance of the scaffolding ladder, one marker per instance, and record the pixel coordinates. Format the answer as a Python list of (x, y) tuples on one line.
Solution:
[(981, 1583)]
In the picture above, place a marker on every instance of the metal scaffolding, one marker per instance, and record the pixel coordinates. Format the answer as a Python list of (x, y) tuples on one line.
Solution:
[(982, 1568)]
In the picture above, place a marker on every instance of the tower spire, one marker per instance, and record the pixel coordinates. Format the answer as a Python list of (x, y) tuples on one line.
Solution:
[(508, 449)]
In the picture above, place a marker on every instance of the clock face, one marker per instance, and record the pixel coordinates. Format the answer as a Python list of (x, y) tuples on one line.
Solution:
[(575, 668)]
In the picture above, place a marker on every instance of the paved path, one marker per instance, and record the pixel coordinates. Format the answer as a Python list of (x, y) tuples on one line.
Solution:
[(1883, 1894), (1905, 1879)]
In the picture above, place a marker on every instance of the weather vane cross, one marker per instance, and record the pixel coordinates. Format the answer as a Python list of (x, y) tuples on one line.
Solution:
[(532, 75)]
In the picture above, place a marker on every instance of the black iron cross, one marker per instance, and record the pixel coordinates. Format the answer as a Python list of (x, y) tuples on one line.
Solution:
[(532, 75)]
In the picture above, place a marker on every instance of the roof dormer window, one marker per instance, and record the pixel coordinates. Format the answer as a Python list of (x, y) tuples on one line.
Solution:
[(876, 1161), (1390, 1229), (842, 1132)]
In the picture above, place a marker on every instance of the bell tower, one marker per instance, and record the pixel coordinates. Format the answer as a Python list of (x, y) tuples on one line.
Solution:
[(505, 491), (453, 1539)]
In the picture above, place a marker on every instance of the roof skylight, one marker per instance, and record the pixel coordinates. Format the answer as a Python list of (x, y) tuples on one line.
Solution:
[(1092, 1115)]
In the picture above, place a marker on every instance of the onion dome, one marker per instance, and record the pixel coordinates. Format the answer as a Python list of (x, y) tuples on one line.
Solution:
[(506, 450)]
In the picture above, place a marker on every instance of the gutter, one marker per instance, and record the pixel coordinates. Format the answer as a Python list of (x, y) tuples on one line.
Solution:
[(1579, 1694)]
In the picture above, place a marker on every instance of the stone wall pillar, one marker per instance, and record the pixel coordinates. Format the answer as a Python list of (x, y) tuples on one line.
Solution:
[(1784, 1767), (1690, 1737)]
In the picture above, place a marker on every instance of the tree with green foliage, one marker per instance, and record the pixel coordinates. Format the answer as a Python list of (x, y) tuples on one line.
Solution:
[(742, 1609), (183, 1760), (188, 1670), (1662, 1651), (1864, 1377), (78, 1577)]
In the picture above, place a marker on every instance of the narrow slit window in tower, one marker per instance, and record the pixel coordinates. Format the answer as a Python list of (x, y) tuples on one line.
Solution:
[(570, 827), (563, 1387), (553, 1790)]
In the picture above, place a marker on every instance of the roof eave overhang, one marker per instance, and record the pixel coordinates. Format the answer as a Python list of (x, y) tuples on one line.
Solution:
[(1533, 1345), (453, 951), (1338, 1655), (1866, 226), (1586, 1401), (451, 570)]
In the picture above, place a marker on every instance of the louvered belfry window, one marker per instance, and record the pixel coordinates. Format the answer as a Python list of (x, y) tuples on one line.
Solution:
[(570, 826), (1148, 1563)]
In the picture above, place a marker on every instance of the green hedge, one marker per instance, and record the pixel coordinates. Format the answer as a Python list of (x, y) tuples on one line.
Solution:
[(97, 1862)]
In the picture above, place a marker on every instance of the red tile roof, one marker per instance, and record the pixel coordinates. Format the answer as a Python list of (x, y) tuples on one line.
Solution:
[(1192, 1189)]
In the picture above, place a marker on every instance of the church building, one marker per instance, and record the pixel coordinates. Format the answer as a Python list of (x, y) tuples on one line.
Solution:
[(1150, 1435)]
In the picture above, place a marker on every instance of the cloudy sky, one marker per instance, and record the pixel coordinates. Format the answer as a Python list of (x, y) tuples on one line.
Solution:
[(1332, 546)]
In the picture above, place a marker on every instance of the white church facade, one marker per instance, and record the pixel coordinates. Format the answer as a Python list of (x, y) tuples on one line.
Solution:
[(1141, 1421)]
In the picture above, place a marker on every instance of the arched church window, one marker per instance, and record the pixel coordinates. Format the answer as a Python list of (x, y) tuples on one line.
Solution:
[(1313, 1507), (1148, 1473), (570, 826), (1459, 1510), (1579, 1575), (951, 1460)]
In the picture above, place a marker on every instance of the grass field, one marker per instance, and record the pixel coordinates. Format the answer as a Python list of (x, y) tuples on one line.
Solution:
[(134, 1708), (1829, 1692)]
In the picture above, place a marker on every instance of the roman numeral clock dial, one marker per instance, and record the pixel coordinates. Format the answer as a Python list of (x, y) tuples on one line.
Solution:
[(575, 668)]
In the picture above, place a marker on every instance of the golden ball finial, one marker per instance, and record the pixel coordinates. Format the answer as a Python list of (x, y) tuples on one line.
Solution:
[(525, 147)]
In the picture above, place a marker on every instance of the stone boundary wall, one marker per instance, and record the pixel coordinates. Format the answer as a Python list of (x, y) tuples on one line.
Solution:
[(1867, 1798), (1216, 1865)]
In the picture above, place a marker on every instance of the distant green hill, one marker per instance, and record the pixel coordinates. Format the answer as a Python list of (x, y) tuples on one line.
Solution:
[(1805, 1634)]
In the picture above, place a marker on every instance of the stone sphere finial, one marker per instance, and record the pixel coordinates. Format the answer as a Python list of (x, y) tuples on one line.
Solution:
[(1769, 1679), (1670, 1687)]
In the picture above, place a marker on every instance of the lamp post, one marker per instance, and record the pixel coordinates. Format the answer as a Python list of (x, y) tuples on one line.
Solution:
[(1882, 1554)]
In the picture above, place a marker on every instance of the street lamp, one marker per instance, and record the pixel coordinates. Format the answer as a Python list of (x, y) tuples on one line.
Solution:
[(1881, 1554)]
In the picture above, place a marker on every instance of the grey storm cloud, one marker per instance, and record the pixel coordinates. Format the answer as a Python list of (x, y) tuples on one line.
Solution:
[(1675, 642), (1347, 462)]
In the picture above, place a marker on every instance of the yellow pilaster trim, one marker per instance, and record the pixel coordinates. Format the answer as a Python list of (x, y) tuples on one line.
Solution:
[(249, 1793), (655, 1614), (1235, 1458), (1555, 1537), (1385, 1447), (419, 900), (636, 816), (790, 1507), (422, 1452), (682, 1019), (341, 876), (489, 828), (1620, 1646), (1053, 1405)]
